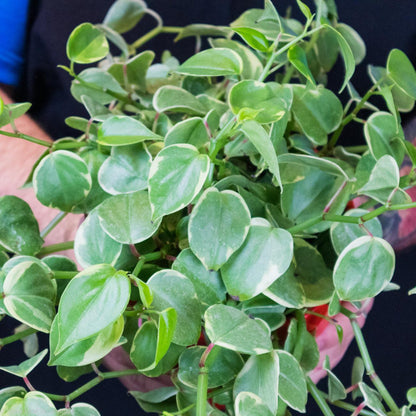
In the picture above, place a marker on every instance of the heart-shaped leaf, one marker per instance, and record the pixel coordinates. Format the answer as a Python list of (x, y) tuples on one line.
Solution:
[(175, 99), (317, 111), (297, 58), (268, 101), (253, 38), (363, 268), (127, 218), (123, 15), (86, 44), (79, 409), (191, 131), (265, 255), (383, 181), (62, 180), (87, 351), (8, 392), (172, 289), (232, 329), (176, 176), (93, 300), (212, 63), (124, 130), (29, 295), (402, 72), (260, 375), (34, 403), (218, 226), (384, 137), (19, 230)]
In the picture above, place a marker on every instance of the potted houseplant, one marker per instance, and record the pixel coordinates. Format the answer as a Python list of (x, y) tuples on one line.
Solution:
[(226, 223)]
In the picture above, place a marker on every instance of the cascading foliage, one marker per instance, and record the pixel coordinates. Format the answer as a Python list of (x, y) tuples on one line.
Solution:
[(217, 199)]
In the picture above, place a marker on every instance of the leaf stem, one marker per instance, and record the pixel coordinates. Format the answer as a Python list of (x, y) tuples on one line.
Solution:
[(153, 33), (16, 337), (318, 397), (202, 389), (145, 258), (26, 137), (53, 248), (370, 368), (55, 221)]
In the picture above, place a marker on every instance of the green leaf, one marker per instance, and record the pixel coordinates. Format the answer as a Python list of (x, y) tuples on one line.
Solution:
[(297, 58), (265, 309), (70, 374), (127, 218), (357, 374), (62, 180), (93, 300), (253, 38), (124, 130), (265, 254), (384, 180), (26, 367), (354, 41), (249, 404), (176, 176), (268, 101), (115, 38), (336, 390), (123, 15), (191, 130), (304, 9), (93, 245), (347, 55), (99, 86), (8, 392), (152, 340), (34, 403), (86, 44), (343, 233), (212, 63), (411, 395), (261, 140), (13, 111), (260, 375), (292, 384), (363, 268), (29, 295), (135, 71), (372, 399), (222, 366), (200, 29), (317, 111), (79, 409), (402, 72), (157, 400), (172, 289), (218, 226), (176, 99), (306, 283), (327, 49), (19, 229), (230, 328), (126, 170), (252, 67), (86, 351), (384, 137), (208, 284)]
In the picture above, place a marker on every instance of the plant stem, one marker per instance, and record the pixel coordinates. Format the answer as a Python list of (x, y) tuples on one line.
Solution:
[(357, 149), (90, 384), (352, 408), (53, 248), (55, 221), (153, 33), (370, 368), (202, 389), (26, 137), (300, 338), (319, 399), (16, 337)]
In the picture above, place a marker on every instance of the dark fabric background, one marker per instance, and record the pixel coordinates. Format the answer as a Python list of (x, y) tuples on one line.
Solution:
[(384, 24)]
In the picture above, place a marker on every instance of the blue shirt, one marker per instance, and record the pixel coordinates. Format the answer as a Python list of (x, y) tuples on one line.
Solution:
[(13, 19)]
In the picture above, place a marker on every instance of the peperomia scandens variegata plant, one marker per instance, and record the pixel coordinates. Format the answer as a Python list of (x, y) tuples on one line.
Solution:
[(225, 216)]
